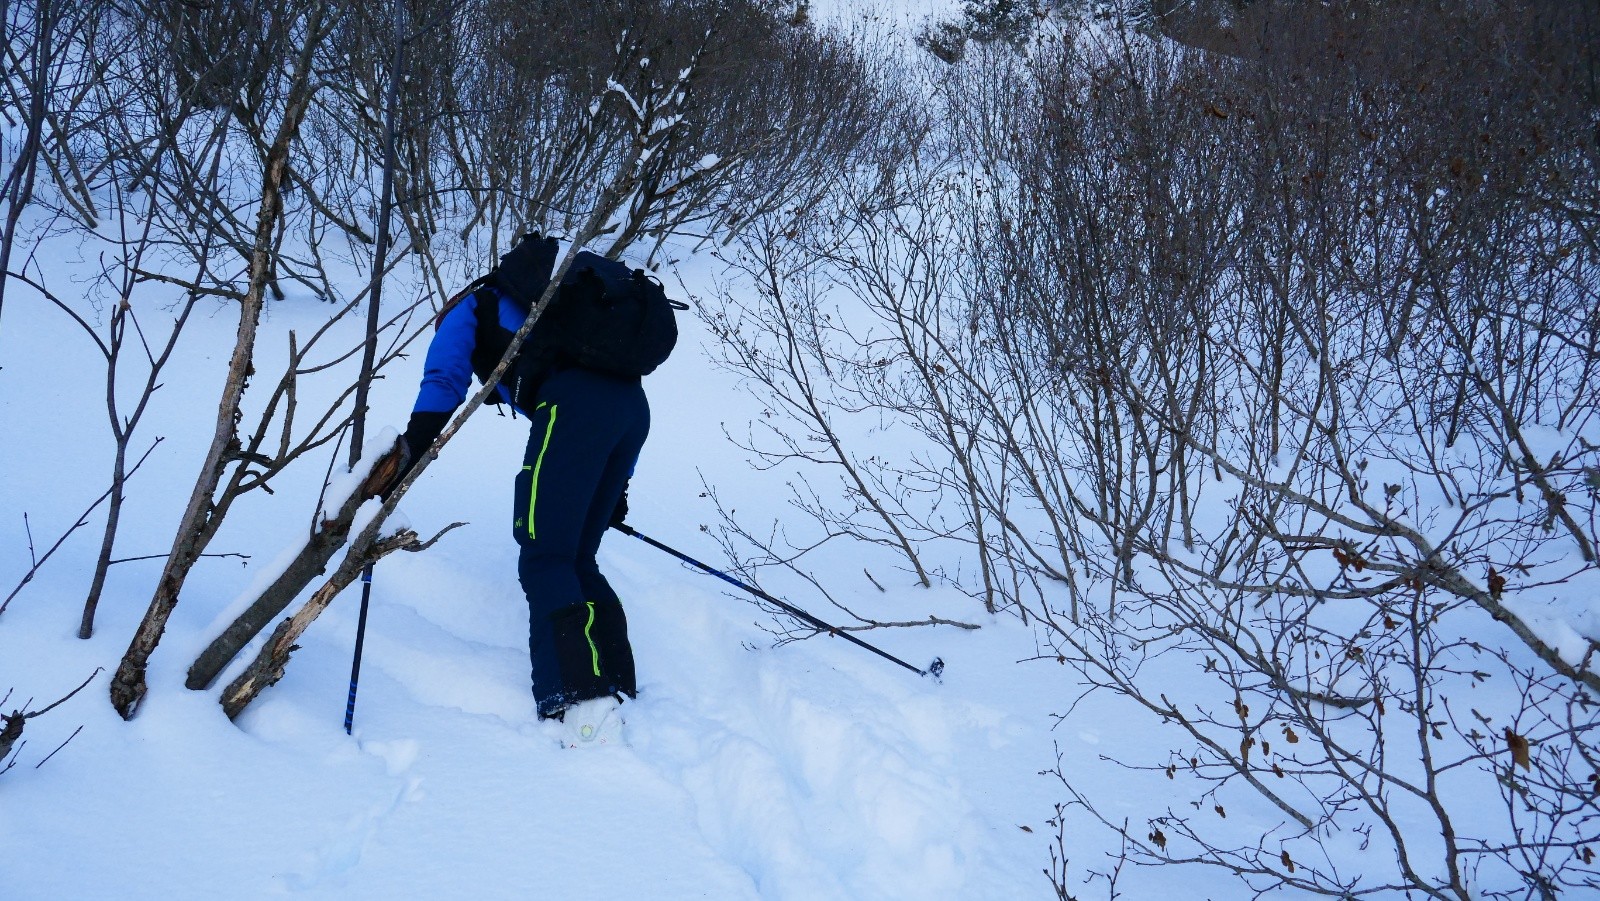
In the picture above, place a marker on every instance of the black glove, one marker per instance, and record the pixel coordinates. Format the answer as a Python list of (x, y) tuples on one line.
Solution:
[(420, 432), (619, 515)]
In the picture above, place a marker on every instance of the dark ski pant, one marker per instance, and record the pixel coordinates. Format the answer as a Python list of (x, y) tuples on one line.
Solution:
[(587, 429)]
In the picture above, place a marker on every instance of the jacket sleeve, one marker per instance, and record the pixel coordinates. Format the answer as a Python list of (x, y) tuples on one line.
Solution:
[(447, 368)]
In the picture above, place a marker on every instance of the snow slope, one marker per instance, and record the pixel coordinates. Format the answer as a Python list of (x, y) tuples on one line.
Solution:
[(810, 770)]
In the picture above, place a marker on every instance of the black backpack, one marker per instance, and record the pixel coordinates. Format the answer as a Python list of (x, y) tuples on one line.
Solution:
[(605, 317)]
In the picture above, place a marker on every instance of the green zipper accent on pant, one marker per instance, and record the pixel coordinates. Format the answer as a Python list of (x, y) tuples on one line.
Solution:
[(594, 652), (533, 492)]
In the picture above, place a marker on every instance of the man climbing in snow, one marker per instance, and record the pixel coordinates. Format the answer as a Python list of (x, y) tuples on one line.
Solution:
[(587, 425)]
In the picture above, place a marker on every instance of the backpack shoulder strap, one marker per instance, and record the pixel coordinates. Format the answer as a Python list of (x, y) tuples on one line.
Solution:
[(459, 296), (490, 338)]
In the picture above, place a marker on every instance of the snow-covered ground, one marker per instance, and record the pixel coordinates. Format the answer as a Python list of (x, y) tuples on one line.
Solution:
[(813, 770), (810, 770), (807, 770)]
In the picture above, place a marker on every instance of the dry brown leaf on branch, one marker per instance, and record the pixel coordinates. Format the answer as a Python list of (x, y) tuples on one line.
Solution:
[(1519, 749), (1351, 560), (1497, 583)]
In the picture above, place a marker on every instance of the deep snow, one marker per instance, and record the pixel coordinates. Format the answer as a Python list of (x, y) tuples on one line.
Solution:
[(812, 770), (808, 770)]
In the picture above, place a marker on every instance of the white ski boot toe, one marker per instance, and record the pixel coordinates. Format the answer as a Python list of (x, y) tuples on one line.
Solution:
[(594, 723)]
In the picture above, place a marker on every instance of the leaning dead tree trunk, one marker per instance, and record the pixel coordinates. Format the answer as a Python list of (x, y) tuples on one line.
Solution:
[(199, 525), (331, 534), (267, 668)]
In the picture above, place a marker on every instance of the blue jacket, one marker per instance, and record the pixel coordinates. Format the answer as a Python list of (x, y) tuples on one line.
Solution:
[(447, 369)]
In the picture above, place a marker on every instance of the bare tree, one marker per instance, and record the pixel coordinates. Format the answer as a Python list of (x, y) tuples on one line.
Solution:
[(44, 69), (1267, 392), (199, 522), (332, 526), (1366, 476), (771, 108), (123, 421)]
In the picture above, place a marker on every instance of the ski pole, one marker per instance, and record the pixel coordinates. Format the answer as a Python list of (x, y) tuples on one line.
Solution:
[(370, 347), (935, 669), (361, 634)]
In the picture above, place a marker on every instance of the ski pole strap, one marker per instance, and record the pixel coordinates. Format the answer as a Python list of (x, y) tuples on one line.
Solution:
[(934, 669)]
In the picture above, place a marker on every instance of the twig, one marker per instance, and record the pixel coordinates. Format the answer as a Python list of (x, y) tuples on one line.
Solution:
[(930, 621), (13, 761), (58, 748), (97, 671), (267, 668), (164, 556), (15, 721), (83, 520)]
